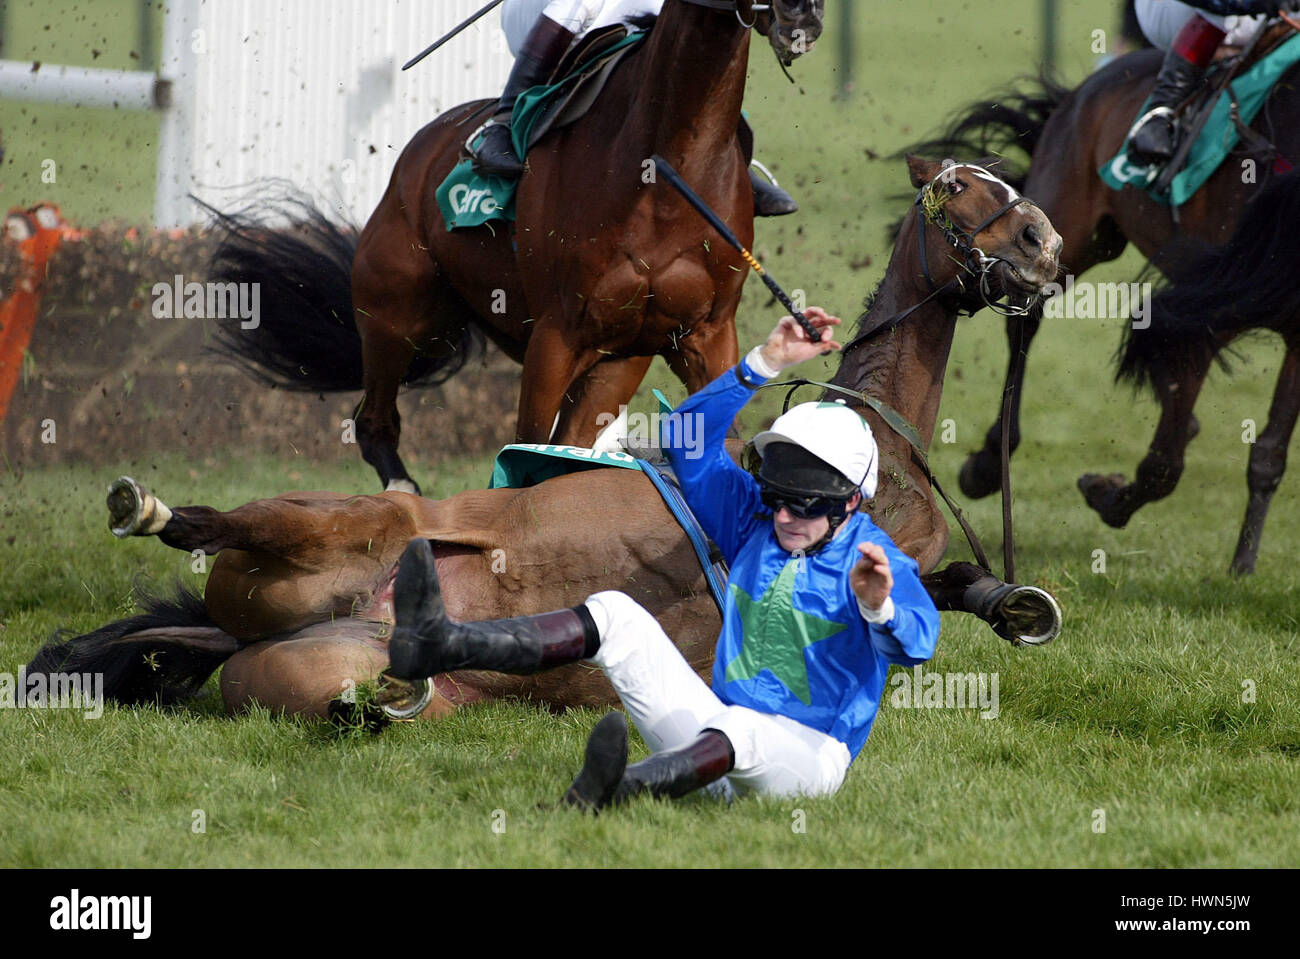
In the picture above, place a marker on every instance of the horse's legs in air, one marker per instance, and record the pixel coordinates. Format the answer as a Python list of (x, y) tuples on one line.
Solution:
[(1268, 459), (1115, 499), (609, 384), (981, 474), (1025, 615), (285, 562)]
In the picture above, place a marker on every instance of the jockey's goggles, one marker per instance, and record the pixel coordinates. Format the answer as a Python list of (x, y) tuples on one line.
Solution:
[(799, 505)]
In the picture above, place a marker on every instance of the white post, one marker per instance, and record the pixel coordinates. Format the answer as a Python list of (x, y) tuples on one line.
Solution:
[(82, 86), (178, 64)]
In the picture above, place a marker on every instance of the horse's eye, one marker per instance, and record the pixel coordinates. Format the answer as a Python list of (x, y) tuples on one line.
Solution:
[(958, 186)]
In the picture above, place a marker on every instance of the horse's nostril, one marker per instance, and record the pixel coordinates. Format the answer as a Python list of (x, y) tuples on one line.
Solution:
[(1032, 238)]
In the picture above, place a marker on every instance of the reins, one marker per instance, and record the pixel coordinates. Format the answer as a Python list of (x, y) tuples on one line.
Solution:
[(976, 263)]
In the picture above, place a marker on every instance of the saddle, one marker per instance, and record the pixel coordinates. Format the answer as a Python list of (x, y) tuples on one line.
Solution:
[(576, 83), (526, 464), (467, 199), (1228, 123)]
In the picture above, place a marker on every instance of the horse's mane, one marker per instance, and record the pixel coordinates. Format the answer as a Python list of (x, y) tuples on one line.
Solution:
[(1246, 283)]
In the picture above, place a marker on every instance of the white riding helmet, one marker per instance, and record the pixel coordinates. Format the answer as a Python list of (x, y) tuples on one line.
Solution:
[(834, 434)]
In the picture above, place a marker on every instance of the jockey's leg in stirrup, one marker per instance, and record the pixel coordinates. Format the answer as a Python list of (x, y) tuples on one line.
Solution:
[(538, 33), (1189, 33)]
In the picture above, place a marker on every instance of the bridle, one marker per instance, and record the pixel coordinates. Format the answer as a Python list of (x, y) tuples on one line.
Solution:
[(975, 262)]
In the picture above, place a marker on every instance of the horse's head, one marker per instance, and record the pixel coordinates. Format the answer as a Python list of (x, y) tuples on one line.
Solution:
[(791, 26), (977, 230)]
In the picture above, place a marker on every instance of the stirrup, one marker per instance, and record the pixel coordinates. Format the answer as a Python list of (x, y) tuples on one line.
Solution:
[(1150, 115), (767, 174), (403, 699)]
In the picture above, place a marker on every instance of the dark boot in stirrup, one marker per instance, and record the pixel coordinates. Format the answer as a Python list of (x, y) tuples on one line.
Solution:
[(1156, 134), (769, 198), (541, 52)]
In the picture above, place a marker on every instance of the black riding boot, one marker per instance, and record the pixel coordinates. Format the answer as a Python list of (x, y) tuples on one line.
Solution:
[(425, 642), (1156, 138), (769, 198), (542, 49), (606, 779)]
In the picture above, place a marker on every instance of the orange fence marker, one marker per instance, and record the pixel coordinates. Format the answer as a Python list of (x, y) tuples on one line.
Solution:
[(37, 232)]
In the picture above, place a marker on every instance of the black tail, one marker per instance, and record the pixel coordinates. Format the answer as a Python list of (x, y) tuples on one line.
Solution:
[(153, 669), (1008, 124), (1248, 283), (305, 338)]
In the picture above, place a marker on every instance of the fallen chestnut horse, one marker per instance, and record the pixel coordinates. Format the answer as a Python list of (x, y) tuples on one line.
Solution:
[(299, 600)]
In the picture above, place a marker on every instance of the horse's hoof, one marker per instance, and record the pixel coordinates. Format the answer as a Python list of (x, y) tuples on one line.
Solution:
[(133, 510), (976, 479), (1101, 492), (403, 699), (1030, 616)]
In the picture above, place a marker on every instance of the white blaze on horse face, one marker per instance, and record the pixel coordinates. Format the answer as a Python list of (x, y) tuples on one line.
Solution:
[(985, 175)]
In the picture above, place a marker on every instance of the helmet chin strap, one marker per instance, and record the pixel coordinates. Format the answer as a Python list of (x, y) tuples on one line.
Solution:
[(833, 523)]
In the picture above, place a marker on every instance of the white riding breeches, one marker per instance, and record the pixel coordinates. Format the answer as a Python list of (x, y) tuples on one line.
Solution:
[(576, 16), (1161, 20), (671, 705)]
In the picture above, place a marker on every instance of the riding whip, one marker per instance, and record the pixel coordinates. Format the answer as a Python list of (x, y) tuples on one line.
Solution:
[(455, 30), (674, 178)]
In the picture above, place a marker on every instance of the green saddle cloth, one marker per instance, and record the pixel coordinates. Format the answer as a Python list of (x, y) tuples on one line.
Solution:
[(466, 198), (1217, 138), (526, 464)]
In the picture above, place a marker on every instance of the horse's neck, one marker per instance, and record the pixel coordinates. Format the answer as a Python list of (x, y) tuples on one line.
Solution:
[(692, 83), (903, 367)]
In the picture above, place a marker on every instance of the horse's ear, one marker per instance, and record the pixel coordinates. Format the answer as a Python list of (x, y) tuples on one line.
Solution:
[(921, 170)]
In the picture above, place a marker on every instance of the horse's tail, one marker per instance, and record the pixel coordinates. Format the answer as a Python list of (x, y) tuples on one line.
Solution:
[(1009, 123), (1248, 283), (304, 337), (162, 655)]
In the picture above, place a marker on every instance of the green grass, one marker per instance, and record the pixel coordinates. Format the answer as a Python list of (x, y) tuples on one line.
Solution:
[(1136, 710)]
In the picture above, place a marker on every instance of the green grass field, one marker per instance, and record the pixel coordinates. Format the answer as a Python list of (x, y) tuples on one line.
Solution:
[(1171, 702)]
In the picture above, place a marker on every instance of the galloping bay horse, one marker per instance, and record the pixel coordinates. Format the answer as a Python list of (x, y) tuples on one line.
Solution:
[(602, 270), (298, 603), (1068, 135), (1217, 295)]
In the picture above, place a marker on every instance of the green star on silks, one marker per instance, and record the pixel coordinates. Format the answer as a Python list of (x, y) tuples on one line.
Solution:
[(776, 634)]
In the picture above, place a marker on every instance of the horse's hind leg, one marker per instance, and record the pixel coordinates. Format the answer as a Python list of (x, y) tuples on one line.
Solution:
[(1268, 460), (402, 304), (1113, 497), (1023, 615)]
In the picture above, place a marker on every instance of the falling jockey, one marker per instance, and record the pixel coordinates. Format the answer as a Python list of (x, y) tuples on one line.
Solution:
[(820, 602), (1190, 33), (539, 32)]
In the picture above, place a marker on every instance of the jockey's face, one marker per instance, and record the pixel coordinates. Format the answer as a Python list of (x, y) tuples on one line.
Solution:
[(793, 533)]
